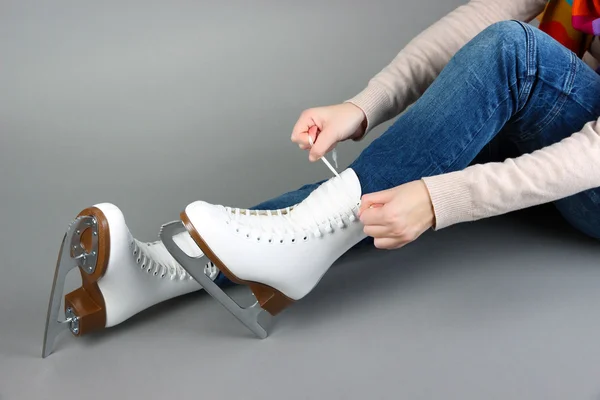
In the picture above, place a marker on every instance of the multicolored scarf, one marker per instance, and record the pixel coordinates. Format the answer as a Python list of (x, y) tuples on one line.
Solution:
[(574, 23)]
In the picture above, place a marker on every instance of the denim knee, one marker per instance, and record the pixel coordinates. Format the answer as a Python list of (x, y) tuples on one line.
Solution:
[(503, 36), (503, 44)]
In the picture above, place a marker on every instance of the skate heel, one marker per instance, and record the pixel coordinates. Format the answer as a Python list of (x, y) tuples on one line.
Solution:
[(90, 316), (271, 300), (85, 246), (87, 302)]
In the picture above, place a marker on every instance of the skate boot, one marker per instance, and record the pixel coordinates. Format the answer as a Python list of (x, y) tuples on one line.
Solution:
[(121, 275), (280, 254)]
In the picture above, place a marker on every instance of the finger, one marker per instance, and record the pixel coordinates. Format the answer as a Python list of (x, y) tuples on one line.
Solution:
[(323, 143), (388, 243), (373, 216), (371, 199), (364, 206), (377, 231), (304, 138), (375, 199), (304, 123), (313, 132), (300, 138)]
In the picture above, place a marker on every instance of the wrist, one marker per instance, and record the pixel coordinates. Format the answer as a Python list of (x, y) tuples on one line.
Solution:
[(427, 206), (362, 122), (376, 104)]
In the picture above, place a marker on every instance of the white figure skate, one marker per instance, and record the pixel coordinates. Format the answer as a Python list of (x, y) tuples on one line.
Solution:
[(121, 276), (281, 255)]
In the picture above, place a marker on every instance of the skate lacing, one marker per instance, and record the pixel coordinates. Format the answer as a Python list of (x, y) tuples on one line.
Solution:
[(154, 258), (334, 156), (322, 211)]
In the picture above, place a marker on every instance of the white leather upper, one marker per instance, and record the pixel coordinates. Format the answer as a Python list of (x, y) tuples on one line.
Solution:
[(127, 289), (251, 248)]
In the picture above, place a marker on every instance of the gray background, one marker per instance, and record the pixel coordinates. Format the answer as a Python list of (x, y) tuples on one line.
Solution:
[(152, 105)]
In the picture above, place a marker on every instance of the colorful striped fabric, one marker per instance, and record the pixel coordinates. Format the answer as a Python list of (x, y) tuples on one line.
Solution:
[(586, 16), (574, 23)]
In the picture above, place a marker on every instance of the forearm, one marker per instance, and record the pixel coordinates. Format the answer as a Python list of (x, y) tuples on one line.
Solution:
[(411, 72), (486, 190)]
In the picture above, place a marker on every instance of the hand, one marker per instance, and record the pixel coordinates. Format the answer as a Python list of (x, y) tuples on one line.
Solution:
[(397, 216), (327, 126)]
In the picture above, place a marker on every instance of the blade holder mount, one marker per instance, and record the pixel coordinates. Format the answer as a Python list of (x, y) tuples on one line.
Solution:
[(250, 316), (72, 254)]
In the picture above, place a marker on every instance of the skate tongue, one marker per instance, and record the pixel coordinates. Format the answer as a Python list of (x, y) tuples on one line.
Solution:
[(335, 197), (349, 180)]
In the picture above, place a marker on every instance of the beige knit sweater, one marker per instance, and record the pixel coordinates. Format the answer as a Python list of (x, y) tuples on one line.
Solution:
[(480, 191)]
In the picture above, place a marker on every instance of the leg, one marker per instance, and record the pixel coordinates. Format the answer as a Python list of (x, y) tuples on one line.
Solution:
[(509, 75), (578, 104), (516, 83)]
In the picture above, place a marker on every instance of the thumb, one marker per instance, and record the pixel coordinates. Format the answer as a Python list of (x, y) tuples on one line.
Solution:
[(323, 143), (376, 199), (313, 132)]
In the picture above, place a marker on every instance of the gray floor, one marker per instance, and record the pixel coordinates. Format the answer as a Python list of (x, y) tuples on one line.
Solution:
[(504, 309), (152, 105)]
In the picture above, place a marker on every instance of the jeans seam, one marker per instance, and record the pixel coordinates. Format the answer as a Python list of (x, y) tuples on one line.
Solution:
[(565, 92), (530, 65)]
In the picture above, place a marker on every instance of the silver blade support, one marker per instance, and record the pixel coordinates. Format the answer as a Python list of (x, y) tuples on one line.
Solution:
[(249, 316), (71, 255)]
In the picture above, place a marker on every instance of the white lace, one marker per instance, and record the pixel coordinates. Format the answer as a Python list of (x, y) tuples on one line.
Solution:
[(333, 154), (322, 213), (154, 258)]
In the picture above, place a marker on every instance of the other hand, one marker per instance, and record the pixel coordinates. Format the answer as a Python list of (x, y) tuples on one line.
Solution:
[(397, 216), (328, 126)]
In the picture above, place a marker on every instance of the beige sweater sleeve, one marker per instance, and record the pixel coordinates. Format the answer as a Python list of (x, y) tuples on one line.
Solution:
[(551, 173), (411, 72)]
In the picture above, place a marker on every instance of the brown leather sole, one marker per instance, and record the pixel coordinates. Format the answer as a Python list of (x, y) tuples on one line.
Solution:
[(87, 301), (270, 299)]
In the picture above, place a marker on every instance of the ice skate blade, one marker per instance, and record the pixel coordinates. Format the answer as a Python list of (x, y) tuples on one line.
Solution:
[(71, 255), (249, 316)]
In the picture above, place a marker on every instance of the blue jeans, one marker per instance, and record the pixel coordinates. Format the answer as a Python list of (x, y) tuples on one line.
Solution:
[(509, 91)]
